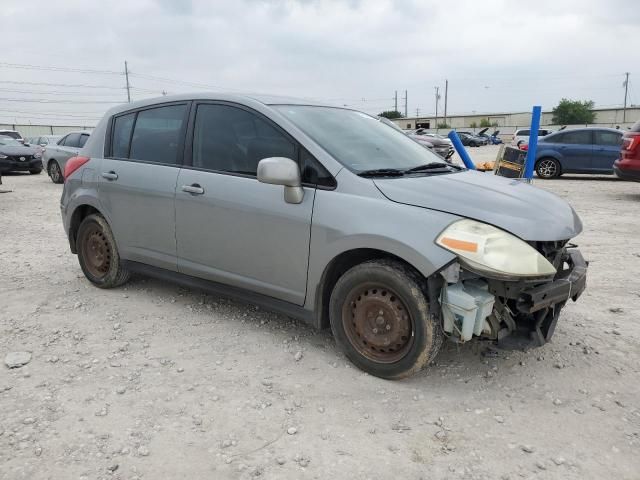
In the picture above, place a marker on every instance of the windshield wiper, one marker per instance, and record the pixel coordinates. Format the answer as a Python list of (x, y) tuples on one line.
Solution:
[(382, 172), (430, 166)]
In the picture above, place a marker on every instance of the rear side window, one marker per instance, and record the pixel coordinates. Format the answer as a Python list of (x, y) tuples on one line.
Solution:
[(581, 137), (72, 140), (156, 134), (230, 139), (122, 127), (611, 139), (523, 133)]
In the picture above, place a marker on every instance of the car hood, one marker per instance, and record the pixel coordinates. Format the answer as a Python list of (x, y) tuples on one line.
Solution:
[(11, 150), (528, 212)]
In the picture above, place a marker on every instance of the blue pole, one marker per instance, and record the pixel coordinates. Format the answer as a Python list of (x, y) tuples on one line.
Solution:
[(530, 161), (457, 144)]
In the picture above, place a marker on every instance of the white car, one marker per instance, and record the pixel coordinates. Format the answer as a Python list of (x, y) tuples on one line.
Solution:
[(522, 136)]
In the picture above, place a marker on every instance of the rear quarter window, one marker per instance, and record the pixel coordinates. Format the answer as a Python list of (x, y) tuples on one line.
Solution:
[(121, 137)]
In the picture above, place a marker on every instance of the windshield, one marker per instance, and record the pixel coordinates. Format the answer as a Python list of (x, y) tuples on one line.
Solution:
[(10, 142), (357, 140)]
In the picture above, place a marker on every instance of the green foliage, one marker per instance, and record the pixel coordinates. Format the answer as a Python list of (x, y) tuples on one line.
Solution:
[(485, 122), (444, 125), (573, 112), (391, 114), (473, 125)]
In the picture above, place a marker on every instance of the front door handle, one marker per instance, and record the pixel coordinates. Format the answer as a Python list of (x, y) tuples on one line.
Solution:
[(193, 189), (110, 175)]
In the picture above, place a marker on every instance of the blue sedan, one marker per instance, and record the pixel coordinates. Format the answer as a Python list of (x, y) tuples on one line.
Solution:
[(581, 150)]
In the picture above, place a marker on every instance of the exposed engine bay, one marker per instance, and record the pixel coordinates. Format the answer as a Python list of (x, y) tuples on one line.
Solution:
[(515, 313)]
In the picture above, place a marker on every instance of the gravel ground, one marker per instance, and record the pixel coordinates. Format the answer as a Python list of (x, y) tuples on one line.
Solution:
[(153, 381)]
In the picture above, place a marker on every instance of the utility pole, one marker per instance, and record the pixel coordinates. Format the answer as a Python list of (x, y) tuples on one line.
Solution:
[(406, 103), (417, 112), (396, 102), (626, 89), (126, 76), (446, 92), (437, 97)]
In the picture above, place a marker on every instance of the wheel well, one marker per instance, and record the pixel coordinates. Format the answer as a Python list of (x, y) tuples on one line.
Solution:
[(337, 267), (78, 215)]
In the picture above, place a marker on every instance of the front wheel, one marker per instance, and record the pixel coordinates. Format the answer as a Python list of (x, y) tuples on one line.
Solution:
[(548, 168), (98, 254), (380, 318)]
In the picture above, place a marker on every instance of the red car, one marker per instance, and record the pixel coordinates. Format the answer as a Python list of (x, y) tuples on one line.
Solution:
[(627, 166)]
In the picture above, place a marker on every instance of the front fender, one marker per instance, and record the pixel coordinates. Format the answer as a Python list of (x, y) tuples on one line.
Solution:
[(404, 231)]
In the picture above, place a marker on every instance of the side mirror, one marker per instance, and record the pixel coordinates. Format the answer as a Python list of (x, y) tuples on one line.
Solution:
[(282, 171)]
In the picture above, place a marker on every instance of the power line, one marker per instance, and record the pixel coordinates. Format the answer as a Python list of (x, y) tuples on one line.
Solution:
[(180, 82), (73, 85), (91, 94), (58, 69), (44, 100), (59, 114)]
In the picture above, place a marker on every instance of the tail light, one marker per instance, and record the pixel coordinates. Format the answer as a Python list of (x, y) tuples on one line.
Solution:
[(631, 141), (73, 164)]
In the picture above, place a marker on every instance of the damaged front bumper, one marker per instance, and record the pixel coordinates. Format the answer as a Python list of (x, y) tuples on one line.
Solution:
[(568, 284), (522, 313)]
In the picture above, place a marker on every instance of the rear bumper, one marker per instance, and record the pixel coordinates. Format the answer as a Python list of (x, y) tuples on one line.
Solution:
[(626, 173)]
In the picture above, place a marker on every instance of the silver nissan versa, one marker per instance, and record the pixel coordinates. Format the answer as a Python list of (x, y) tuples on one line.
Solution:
[(324, 214)]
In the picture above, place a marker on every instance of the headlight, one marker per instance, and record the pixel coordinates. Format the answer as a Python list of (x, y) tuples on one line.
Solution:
[(488, 249), (3, 156)]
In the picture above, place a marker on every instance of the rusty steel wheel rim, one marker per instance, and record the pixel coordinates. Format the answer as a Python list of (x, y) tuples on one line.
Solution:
[(377, 323), (97, 252)]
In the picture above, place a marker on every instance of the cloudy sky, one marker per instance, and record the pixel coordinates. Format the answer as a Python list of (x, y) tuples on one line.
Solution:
[(63, 60)]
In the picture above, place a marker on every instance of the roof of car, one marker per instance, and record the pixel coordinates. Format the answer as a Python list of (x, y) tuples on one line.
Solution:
[(582, 129), (229, 97)]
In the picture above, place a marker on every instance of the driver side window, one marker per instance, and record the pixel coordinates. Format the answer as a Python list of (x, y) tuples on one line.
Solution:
[(234, 140)]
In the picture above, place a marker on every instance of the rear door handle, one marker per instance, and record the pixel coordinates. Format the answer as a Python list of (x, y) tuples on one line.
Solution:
[(110, 175), (193, 189)]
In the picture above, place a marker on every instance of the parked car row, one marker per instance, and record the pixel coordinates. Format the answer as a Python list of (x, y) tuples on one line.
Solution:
[(33, 154)]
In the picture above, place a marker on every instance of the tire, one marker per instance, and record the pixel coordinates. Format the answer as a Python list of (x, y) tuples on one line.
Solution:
[(548, 167), (35, 171), (55, 172), (384, 289), (98, 253)]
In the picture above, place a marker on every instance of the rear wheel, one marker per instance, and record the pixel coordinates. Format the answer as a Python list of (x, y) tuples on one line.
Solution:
[(98, 254), (548, 168), (55, 172), (379, 317)]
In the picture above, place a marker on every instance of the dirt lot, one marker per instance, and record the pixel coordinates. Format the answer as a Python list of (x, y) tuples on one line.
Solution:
[(153, 381)]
